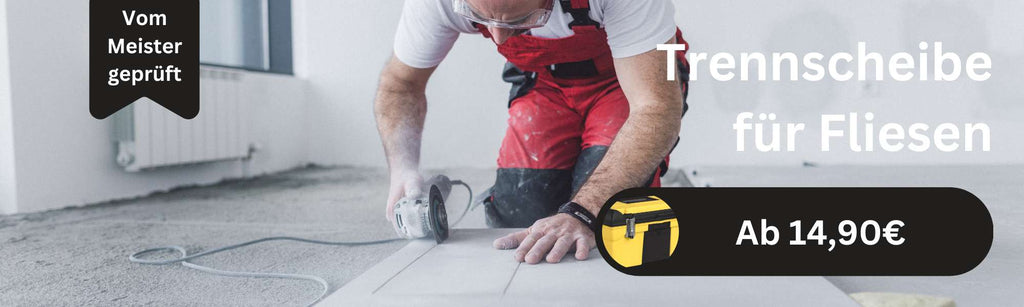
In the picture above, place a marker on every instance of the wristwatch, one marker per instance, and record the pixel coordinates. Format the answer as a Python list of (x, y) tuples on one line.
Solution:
[(582, 214)]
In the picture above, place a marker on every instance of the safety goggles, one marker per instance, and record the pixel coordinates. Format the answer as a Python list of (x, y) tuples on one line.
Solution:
[(535, 19)]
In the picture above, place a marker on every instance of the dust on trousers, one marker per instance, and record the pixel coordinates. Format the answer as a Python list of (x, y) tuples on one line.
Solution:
[(565, 108)]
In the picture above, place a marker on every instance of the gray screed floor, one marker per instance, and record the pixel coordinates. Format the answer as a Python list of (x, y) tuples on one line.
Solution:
[(79, 256)]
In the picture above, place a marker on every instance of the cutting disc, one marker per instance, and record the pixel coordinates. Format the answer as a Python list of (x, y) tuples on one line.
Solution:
[(438, 216)]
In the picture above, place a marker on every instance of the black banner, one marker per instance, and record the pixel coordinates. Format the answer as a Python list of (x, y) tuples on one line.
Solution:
[(143, 49), (817, 231)]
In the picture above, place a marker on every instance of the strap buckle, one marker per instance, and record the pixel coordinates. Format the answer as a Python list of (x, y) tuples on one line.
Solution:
[(580, 17)]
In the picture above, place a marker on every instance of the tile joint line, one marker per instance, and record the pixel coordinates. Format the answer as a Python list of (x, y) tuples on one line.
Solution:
[(511, 279), (402, 270)]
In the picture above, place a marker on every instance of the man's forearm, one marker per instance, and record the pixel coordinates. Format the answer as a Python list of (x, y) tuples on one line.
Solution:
[(655, 107), (642, 142), (400, 109)]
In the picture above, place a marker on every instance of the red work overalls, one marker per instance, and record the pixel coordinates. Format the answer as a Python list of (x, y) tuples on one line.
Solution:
[(565, 109)]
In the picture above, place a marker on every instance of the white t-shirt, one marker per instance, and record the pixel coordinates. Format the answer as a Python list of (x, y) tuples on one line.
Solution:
[(429, 28)]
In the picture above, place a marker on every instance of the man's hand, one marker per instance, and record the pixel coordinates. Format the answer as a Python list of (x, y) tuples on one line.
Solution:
[(407, 184), (549, 238)]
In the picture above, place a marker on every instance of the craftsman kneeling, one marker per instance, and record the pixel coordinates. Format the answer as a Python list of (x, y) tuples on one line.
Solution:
[(590, 110)]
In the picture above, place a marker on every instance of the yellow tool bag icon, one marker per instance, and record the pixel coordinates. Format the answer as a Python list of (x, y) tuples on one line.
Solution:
[(640, 230)]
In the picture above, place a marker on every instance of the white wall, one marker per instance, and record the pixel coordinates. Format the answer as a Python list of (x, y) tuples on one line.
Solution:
[(349, 41), (64, 157), (7, 182), (347, 44), (887, 27)]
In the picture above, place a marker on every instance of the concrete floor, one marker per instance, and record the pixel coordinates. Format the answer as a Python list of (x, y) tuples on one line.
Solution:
[(78, 256)]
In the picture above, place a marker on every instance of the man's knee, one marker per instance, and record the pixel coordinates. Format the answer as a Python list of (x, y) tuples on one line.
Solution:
[(521, 196)]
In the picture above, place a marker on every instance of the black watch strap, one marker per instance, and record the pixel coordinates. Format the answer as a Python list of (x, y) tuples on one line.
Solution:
[(581, 214)]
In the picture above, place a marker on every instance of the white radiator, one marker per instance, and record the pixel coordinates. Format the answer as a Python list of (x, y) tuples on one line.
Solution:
[(149, 136)]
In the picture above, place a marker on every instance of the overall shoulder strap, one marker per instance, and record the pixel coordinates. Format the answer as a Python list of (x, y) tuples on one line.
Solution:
[(580, 11)]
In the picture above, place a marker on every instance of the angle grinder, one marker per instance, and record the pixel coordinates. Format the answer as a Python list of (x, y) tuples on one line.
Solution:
[(425, 216)]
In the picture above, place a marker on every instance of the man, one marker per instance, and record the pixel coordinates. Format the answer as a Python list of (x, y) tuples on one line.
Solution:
[(590, 110)]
